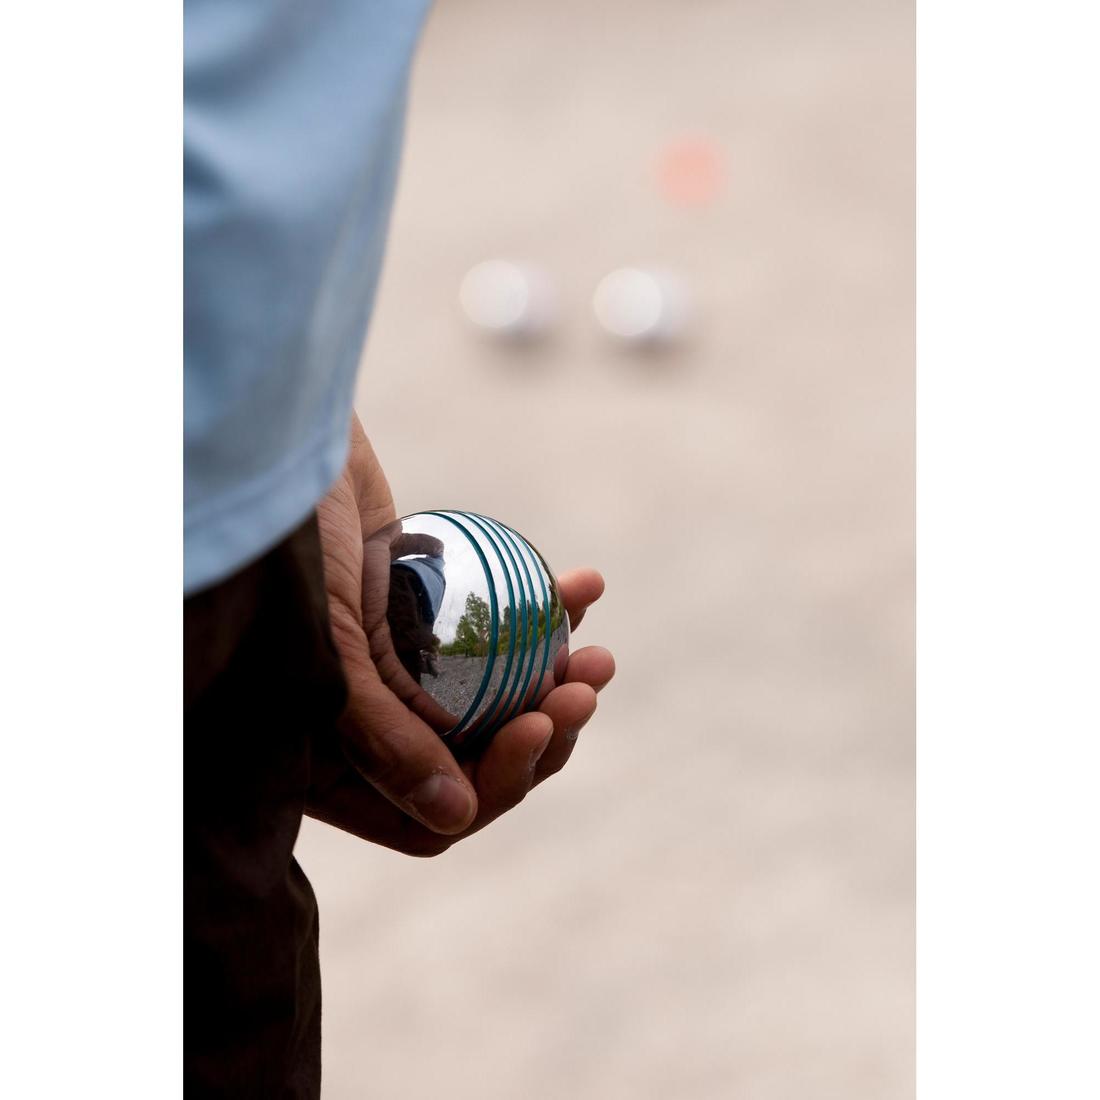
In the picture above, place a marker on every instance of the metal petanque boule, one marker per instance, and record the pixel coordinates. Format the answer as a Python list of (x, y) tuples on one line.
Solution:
[(465, 622)]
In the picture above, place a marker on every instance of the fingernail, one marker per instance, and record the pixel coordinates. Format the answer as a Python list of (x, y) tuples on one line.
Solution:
[(444, 804)]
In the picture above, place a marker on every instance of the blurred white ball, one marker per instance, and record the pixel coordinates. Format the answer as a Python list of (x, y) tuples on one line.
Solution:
[(642, 305), (507, 299)]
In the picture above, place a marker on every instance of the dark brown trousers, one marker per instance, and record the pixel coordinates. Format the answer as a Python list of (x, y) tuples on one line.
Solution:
[(261, 676)]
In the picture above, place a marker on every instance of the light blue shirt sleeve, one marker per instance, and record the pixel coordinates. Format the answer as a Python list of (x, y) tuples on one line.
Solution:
[(293, 119)]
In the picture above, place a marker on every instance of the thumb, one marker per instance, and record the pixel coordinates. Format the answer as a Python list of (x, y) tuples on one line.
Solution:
[(397, 752)]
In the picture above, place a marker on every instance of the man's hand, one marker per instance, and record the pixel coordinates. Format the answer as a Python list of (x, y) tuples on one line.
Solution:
[(389, 778)]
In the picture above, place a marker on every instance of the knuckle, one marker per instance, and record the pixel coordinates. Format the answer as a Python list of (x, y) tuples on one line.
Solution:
[(520, 793), (376, 760), (553, 765)]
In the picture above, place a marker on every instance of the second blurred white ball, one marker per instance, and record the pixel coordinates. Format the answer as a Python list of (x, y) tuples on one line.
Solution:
[(508, 299), (642, 305)]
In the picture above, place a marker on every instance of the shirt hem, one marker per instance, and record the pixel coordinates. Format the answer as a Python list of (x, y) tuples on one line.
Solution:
[(235, 528)]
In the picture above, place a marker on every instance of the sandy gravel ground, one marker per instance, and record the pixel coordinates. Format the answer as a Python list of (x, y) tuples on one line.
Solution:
[(457, 681), (716, 898)]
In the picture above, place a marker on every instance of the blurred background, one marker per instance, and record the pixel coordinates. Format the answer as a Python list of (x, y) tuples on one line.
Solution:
[(715, 899)]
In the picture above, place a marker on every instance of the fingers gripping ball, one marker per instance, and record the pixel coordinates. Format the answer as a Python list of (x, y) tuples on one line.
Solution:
[(465, 622)]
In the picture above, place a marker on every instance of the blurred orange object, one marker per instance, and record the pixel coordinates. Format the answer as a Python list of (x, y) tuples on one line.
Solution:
[(690, 172)]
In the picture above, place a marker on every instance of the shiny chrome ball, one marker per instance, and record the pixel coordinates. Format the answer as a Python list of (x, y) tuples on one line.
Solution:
[(464, 620)]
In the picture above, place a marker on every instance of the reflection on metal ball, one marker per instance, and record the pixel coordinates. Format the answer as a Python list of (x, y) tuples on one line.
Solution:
[(465, 622)]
